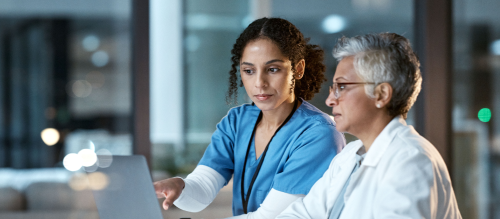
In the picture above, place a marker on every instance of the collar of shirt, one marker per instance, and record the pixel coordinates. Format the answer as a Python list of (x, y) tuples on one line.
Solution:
[(383, 140), (360, 155)]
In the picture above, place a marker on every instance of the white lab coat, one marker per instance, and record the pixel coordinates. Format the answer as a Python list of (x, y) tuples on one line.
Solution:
[(402, 176)]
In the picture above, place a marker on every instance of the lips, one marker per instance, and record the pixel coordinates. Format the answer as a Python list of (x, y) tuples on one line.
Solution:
[(263, 96), (335, 114)]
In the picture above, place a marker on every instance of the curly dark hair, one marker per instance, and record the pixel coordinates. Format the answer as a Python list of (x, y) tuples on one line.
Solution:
[(292, 45)]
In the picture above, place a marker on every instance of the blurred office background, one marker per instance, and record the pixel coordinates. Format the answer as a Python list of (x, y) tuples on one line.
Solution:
[(119, 77)]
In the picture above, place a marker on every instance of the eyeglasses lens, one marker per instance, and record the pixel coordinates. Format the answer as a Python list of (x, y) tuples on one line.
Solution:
[(335, 90), (337, 93)]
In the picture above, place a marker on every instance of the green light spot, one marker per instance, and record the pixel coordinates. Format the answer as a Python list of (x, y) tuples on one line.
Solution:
[(484, 115)]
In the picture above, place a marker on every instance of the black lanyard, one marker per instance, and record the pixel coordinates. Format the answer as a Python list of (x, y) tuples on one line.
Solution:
[(245, 200)]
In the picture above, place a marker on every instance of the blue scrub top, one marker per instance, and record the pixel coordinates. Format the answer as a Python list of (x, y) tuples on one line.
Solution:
[(297, 157)]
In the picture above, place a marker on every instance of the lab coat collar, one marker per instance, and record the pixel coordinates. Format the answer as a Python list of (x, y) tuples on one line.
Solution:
[(348, 161), (383, 140)]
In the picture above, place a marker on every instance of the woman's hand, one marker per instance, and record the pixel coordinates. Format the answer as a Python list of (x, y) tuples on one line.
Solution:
[(170, 189)]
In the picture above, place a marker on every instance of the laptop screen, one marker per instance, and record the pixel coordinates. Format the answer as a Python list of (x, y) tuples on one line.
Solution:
[(125, 189)]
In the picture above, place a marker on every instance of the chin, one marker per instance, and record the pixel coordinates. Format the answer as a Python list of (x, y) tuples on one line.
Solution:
[(340, 127), (265, 106)]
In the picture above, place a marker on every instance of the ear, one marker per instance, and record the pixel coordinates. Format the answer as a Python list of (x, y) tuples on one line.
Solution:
[(383, 95), (299, 69)]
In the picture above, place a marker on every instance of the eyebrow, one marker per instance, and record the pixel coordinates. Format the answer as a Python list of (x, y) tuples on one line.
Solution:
[(274, 60), (267, 63), (247, 63), (340, 78)]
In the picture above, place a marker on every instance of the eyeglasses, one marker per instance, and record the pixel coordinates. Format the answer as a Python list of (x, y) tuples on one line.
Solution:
[(337, 88)]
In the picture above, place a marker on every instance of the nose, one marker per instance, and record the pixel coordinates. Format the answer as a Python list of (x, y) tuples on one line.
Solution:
[(261, 80), (331, 101)]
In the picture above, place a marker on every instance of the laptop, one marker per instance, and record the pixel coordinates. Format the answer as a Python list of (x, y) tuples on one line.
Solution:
[(124, 189)]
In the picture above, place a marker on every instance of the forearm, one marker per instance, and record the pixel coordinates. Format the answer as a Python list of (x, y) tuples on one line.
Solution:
[(201, 188), (272, 206)]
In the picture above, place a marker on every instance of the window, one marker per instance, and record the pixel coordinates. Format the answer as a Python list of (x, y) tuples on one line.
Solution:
[(65, 68), (476, 99)]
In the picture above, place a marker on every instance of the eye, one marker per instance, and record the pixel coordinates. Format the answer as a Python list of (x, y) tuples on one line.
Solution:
[(247, 71), (341, 86), (273, 70)]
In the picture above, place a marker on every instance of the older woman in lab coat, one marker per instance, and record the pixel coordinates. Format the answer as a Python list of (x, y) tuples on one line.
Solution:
[(391, 171)]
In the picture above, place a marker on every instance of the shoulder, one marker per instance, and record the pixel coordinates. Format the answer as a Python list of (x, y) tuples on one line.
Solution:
[(313, 124), (241, 111), (314, 128), (409, 141), (416, 158), (313, 115), (409, 145), (238, 117)]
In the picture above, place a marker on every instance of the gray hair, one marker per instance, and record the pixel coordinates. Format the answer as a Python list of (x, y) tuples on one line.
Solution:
[(385, 57)]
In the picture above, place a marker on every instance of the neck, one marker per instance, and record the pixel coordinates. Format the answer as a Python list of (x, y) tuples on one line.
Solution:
[(272, 119), (373, 129)]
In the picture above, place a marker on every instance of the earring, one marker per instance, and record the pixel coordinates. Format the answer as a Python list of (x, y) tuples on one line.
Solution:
[(378, 105)]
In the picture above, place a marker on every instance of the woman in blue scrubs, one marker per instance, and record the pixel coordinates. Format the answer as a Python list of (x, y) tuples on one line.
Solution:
[(275, 148)]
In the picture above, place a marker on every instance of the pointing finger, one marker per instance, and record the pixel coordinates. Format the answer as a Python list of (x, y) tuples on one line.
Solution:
[(167, 203)]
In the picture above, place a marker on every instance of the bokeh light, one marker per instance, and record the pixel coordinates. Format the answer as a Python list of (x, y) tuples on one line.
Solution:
[(90, 43), (94, 181), (78, 182), (72, 162), (88, 157), (105, 158), (50, 136), (495, 47), (333, 23), (81, 88), (100, 58), (484, 115), (98, 180)]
